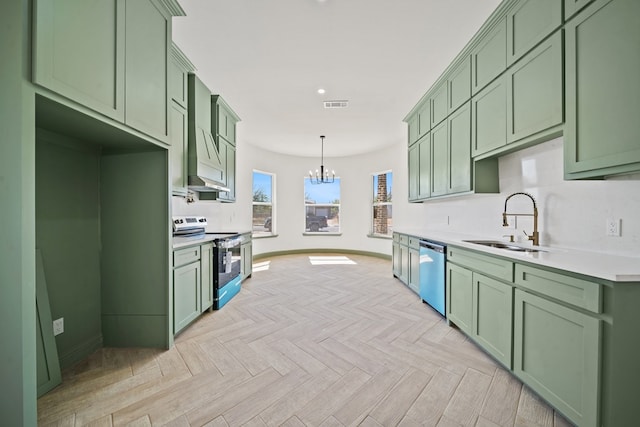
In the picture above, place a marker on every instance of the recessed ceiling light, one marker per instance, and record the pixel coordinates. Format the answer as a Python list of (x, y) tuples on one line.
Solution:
[(321, 91)]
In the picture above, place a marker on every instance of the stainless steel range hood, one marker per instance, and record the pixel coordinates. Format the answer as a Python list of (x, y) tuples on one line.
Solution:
[(204, 166)]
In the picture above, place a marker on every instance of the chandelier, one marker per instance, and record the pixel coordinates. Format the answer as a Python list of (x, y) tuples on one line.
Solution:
[(322, 176)]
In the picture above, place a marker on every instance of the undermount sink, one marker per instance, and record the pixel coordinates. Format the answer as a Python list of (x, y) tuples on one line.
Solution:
[(503, 245)]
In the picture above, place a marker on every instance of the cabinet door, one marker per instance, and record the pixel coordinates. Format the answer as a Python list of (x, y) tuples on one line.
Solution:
[(424, 119), (557, 353), (414, 270), (424, 167), (489, 56), (602, 63), (178, 150), (186, 295), (439, 100), (460, 297), (228, 157), (413, 128), (179, 68), (459, 81), (206, 279), (148, 38), (535, 92), (528, 23), (79, 52), (459, 176), (404, 264), (489, 118), (414, 172), (48, 373), (247, 260), (571, 7), (396, 261), (493, 317), (440, 159)]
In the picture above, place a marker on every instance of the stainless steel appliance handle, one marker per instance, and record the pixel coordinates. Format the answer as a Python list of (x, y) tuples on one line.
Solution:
[(433, 246)]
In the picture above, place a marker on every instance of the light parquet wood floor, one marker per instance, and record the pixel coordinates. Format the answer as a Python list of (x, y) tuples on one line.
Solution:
[(302, 345)]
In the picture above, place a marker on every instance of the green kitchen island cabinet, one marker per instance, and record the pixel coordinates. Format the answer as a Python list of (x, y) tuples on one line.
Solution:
[(109, 56), (602, 90), (571, 338)]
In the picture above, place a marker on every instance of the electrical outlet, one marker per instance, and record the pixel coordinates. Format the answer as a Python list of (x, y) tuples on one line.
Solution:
[(613, 227), (58, 326)]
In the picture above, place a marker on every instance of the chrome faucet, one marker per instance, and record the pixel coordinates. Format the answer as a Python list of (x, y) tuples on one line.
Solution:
[(535, 235)]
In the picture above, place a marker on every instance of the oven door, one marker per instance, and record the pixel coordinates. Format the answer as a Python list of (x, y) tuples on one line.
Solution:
[(226, 261)]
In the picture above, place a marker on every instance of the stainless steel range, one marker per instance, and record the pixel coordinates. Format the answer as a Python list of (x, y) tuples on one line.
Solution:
[(226, 255)]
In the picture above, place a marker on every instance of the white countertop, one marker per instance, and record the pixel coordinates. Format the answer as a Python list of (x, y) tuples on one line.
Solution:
[(615, 268), (183, 242)]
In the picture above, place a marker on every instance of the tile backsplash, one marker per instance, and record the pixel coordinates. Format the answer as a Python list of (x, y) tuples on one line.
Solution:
[(572, 214)]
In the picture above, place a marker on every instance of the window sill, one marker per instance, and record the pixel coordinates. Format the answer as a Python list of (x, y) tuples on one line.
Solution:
[(380, 236), (263, 236), (320, 233)]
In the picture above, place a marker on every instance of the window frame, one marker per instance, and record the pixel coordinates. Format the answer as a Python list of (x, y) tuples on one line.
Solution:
[(306, 205), (375, 203), (272, 204)]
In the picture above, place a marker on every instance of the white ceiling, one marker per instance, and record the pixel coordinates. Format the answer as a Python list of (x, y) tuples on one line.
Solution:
[(268, 58)]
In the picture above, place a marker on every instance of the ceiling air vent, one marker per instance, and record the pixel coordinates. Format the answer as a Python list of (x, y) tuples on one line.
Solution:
[(336, 104)]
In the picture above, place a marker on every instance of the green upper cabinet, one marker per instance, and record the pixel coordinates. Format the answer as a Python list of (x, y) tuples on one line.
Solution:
[(439, 100), (528, 23), (459, 84), (413, 128), (224, 120), (489, 118), (147, 47), (535, 92), (459, 150), (228, 157), (424, 119), (489, 55), (420, 169), (571, 7), (79, 52), (110, 56), (179, 68), (602, 63), (440, 159)]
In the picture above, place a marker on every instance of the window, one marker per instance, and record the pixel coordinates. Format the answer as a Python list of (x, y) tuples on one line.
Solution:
[(263, 223), (382, 218), (322, 207)]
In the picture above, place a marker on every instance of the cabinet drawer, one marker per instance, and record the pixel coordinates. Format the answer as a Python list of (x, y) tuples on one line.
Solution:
[(396, 237), (186, 256), (403, 239), (485, 264), (414, 242), (578, 292)]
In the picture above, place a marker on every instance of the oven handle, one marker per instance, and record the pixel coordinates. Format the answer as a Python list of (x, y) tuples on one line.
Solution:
[(229, 243)]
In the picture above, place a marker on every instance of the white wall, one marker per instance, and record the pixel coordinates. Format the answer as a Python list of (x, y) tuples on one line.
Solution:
[(572, 213)]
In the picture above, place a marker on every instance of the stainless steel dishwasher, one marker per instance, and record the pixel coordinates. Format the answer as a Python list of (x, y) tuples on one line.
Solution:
[(432, 274)]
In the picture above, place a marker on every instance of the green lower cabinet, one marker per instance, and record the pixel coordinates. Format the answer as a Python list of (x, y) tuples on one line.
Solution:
[(602, 47), (557, 353), (395, 257), (206, 280), (186, 295), (493, 317), (404, 264), (413, 280), (246, 254), (460, 297)]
